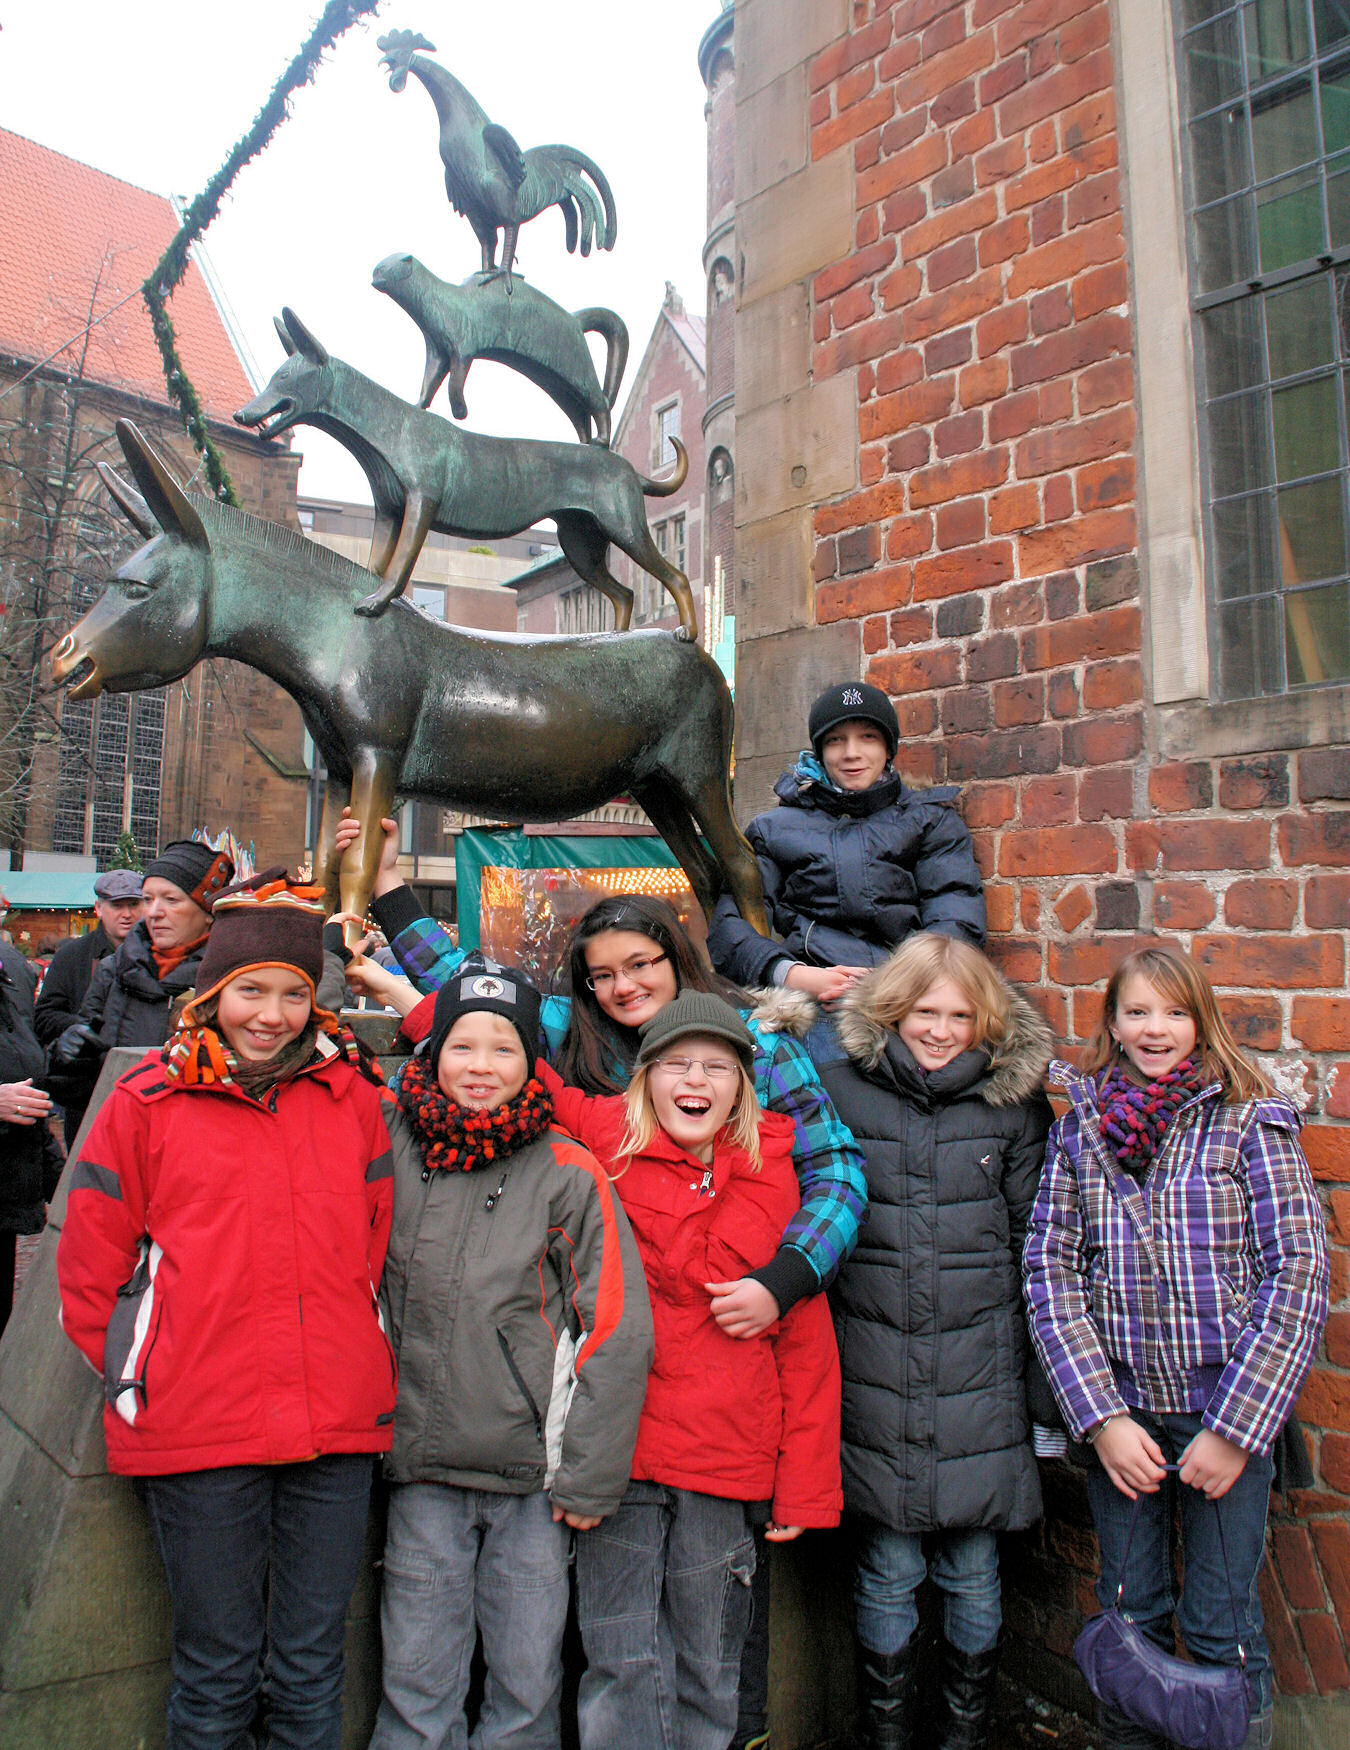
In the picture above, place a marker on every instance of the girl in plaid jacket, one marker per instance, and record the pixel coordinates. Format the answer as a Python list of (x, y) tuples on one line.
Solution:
[(1176, 1282)]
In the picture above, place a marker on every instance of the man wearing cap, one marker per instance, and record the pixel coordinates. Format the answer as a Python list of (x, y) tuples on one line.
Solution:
[(852, 859), (118, 904), (133, 989)]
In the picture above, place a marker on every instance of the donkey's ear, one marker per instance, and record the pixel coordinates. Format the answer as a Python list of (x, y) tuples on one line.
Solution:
[(304, 340), (164, 497), (128, 501), (284, 335)]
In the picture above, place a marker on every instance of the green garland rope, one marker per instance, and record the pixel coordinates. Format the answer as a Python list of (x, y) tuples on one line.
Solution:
[(337, 16)]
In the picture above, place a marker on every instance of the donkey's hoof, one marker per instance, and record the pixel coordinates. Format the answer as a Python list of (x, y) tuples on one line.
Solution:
[(684, 635), (373, 606)]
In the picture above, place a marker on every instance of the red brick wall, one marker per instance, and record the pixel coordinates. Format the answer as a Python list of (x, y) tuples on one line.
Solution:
[(989, 556)]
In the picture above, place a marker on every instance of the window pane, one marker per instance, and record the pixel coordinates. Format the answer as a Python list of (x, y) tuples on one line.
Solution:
[(1312, 531), (1244, 558), (1331, 20), (1335, 100), (1277, 36), (1214, 64), (1220, 157), (1284, 130), (1249, 649), (1317, 635), (1298, 328), (1289, 220), (1197, 11), (1239, 445), (1307, 432), (1232, 346), (1225, 243)]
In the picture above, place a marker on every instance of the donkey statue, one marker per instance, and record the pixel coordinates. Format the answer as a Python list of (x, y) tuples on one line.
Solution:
[(426, 473), (535, 729)]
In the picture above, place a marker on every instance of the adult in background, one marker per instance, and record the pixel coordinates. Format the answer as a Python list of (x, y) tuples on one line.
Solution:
[(853, 861), (30, 1157), (118, 904), (132, 991)]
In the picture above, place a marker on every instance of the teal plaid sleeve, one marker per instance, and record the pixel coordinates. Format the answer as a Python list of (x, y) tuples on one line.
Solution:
[(829, 1162), (429, 958)]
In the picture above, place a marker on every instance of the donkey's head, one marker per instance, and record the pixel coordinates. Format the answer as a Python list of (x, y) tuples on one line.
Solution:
[(297, 388), (150, 625)]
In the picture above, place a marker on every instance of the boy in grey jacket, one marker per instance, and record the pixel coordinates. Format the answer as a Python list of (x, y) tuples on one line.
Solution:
[(519, 1313)]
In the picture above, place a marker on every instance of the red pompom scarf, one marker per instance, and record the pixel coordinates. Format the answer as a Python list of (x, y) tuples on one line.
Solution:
[(454, 1139)]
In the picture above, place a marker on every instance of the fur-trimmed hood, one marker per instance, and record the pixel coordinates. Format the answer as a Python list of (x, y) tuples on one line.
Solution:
[(1016, 1072), (780, 1010)]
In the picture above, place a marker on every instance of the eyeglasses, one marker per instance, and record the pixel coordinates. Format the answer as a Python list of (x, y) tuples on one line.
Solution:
[(719, 1070), (635, 971)]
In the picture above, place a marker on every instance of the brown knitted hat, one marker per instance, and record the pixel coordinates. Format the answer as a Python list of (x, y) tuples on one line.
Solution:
[(264, 922)]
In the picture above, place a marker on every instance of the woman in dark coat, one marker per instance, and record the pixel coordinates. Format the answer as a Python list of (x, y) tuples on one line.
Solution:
[(941, 1085), (30, 1157)]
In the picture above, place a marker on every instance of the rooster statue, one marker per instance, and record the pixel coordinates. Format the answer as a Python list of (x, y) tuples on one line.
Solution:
[(489, 179)]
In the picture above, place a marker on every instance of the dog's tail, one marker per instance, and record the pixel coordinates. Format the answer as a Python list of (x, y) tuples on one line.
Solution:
[(614, 332), (664, 488)]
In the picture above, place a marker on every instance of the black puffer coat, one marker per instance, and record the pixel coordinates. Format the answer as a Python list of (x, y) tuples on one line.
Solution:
[(849, 874), (127, 1002), (928, 1310), (30, 1160)]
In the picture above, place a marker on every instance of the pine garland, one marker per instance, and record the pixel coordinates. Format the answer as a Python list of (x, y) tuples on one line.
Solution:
[(337, 16)]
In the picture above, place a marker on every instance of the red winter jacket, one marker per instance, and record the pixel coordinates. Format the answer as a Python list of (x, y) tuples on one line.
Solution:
[(746, 1419), (218, 1266)]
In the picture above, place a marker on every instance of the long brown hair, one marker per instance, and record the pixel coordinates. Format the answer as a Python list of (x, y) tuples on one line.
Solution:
[(1176, 976), (597, 1054)]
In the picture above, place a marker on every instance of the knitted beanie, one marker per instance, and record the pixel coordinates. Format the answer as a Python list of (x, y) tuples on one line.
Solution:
[(263, 922), (695, 1011), (479, 983), (854, 699), (203, 874)]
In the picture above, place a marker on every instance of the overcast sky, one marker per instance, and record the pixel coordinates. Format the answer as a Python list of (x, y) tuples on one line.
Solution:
[(158, 91)]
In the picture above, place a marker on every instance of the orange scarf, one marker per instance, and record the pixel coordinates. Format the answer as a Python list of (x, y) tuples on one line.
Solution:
[(170, 957)]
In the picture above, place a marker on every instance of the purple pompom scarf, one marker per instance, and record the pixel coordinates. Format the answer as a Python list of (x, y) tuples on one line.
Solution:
[(1134, 1116)]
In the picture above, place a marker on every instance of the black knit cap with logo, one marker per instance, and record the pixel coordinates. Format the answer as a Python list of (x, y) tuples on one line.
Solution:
[(695, 1011), (854, 699), (480, 983)]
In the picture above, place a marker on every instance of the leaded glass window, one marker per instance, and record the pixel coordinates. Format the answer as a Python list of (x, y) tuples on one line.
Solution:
[(1265, 90)]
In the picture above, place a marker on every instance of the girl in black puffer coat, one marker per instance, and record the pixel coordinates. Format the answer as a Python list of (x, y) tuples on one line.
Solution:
[(30, 1157), (940, 1082)]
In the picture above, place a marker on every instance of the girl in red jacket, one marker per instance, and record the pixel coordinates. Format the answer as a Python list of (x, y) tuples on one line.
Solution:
[(224, 1236), (728, 1426)]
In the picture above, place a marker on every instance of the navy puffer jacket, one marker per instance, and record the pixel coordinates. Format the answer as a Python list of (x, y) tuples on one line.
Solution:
[(848, 875)]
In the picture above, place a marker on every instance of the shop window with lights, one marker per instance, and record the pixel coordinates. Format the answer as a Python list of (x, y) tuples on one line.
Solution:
[(1265, 97), (528, 915)]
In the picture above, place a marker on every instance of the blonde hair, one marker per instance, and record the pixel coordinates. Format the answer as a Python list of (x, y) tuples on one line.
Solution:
[(920, 963), (1176, 976), (741, 1129)]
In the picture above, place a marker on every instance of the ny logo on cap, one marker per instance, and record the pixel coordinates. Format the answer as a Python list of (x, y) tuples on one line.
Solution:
[(852, 696)]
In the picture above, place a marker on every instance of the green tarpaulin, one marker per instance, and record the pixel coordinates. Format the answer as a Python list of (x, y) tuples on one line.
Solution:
[(514, 849)]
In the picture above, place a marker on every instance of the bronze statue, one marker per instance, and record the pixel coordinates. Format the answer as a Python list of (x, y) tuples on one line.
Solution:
[(522, 329), (426, 473), (534, 729), (489, 179)]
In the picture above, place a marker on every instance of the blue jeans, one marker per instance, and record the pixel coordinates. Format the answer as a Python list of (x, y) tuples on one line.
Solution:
[(890, 1567), (459, 1561), (261, 1561), (663, 1598), (1203, 1610)]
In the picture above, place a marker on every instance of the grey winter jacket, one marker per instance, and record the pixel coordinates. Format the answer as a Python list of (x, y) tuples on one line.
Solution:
[(518, 1308), (928, 1311), (849, 874)]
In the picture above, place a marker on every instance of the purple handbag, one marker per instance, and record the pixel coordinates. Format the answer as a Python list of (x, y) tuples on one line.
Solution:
[(1204, 1707)]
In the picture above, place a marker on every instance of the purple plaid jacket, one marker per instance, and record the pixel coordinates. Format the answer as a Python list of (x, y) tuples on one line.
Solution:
[(1204, 1289)]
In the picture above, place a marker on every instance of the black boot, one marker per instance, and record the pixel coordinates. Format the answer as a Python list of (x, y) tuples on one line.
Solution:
[(968, 1684), (889, 1685)]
